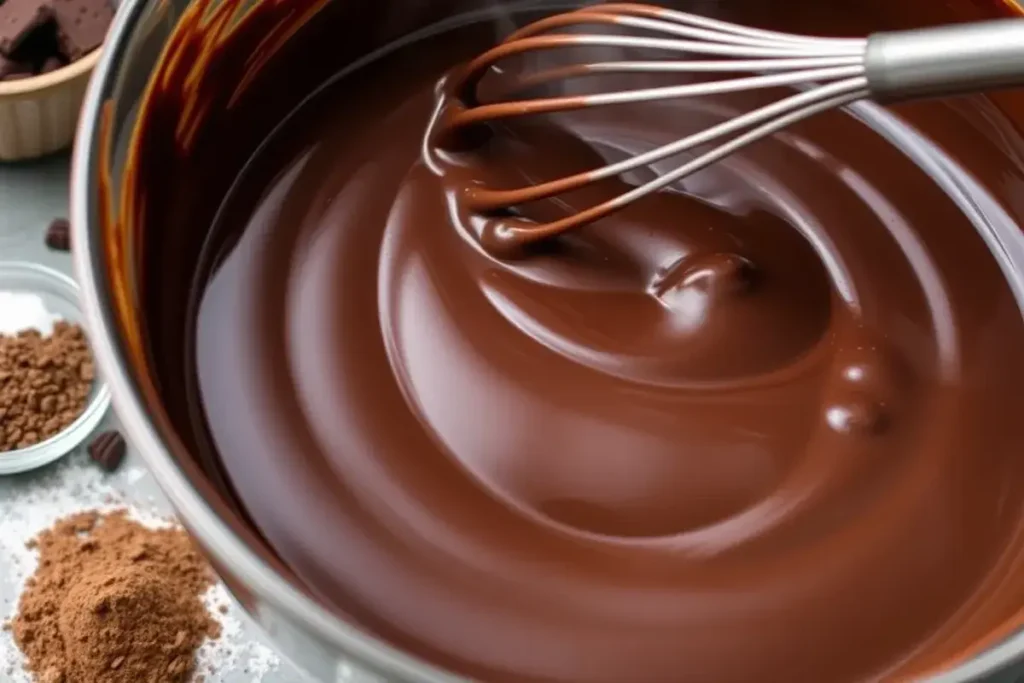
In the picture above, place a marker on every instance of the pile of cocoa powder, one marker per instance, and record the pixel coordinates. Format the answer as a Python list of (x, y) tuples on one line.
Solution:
[(45, 382), (113, 601)]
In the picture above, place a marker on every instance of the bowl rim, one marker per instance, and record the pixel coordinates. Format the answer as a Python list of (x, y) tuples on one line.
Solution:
[(223, 545), (54, 79)]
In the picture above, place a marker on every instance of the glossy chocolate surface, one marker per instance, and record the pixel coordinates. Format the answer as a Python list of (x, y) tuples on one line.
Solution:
[(765, 426)]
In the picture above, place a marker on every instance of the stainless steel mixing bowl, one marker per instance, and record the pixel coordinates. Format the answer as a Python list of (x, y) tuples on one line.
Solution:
[(316, 640)]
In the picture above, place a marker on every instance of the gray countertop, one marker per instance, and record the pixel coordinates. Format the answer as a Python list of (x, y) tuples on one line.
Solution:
[(32, 194)]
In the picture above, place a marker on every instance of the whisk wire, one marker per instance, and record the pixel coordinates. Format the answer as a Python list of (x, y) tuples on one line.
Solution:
[(684, 30), (485, 199), (479, 66), (575, 71), (494, 112), (777, 59), (848, 92), (717, 25), (733, 65), (827, 73)]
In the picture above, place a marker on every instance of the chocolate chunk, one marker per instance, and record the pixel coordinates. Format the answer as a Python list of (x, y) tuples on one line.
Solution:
[(37, 47), (58, 234), (108, 450), (51, 64), (11, 70), (19, 19), (81, 25)]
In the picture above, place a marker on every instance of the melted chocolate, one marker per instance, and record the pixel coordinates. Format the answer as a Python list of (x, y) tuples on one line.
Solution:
[(763, 426)]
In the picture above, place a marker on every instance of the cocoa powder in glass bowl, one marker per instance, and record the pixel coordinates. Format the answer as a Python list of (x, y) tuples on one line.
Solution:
[(44, 383)]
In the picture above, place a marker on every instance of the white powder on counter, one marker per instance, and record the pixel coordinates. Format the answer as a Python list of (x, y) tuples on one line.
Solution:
[(24, 310)]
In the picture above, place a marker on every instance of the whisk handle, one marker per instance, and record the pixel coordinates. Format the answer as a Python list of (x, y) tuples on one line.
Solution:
[(946, 60)]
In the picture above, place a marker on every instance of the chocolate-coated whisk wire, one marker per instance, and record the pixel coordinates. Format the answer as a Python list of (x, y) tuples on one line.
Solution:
[(825, 73)]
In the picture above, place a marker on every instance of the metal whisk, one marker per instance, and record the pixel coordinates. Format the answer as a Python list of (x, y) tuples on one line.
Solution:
[(825, 72)]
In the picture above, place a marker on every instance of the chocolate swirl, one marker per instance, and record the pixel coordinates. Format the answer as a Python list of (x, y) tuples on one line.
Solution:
[(758, 427)]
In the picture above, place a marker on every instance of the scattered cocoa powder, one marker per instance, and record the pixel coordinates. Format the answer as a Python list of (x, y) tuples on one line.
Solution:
[(113, 601), (44, 383)]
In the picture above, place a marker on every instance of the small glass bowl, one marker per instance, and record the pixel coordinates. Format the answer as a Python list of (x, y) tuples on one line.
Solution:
[(58, 294)]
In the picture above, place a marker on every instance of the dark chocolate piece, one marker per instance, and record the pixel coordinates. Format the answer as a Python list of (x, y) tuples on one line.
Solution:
[(58, 234), (108, 450), (37, 47), (81, 25), (51, 64), (12, 70), (19, 19)]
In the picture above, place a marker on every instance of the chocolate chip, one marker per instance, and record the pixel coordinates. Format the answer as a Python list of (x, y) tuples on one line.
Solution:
[(108, 450), (82, 25), (58, 234), (19, 19)]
